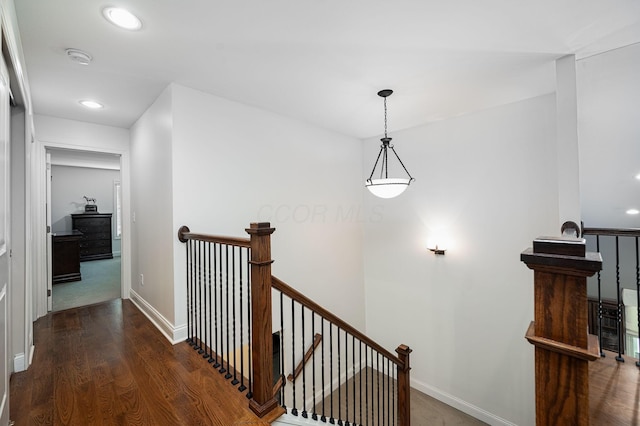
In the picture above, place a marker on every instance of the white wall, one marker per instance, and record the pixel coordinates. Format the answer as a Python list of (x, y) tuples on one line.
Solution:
[(72, 134), (152, 211), (486, 183), (234, 164), (609, 129), (70, 184)]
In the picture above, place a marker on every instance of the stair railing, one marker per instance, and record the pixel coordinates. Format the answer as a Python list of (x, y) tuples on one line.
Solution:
[(349, 379), (620, 269)]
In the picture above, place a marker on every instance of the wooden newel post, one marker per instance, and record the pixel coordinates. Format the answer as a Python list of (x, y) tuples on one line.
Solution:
[(404, 386), (262, 401), (559, 332)]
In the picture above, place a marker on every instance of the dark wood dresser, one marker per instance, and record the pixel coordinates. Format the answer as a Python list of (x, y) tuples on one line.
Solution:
[(96, 235), (66, 257)]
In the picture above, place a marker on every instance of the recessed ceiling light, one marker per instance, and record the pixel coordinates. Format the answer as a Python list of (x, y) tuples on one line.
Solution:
[(91, 104), (638, 176), (122, 18), (79, 56), (633, 211)]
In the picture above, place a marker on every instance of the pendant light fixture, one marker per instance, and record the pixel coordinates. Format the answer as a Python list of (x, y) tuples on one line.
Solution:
[(384, 186)]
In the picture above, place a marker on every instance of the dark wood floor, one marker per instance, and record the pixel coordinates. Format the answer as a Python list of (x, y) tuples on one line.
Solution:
[(106, 364), (614, 392)]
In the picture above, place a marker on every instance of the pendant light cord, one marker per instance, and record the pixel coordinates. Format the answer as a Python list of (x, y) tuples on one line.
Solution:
[(385, 117)]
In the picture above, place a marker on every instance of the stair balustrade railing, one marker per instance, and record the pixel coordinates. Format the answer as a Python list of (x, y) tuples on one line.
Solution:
[(338, 375), (617, 327)]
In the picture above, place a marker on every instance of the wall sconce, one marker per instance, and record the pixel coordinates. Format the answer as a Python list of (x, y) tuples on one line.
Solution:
[(437, 250)]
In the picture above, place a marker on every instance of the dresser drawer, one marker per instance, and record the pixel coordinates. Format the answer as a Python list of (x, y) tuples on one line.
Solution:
[(96, 238)]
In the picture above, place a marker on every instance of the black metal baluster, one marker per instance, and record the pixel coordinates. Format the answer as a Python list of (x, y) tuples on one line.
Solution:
[(353, 375), (331, 418), (189, 297), (211, 307), (304, 369), (388, 377), (366, 390), (242, 387), (216, 313), (205, 284), (372, 388), (394, 372), (619, 358), (207, 288), (323, 417), (602, 354), (199, 299), (294, 409), (360, 376), (339, 379), (193, 295), (314, 416), (249, 315), (221, 368), (227, 314), (284, 381), (235, 380), (378, 384), (346, 378), (203, 307)]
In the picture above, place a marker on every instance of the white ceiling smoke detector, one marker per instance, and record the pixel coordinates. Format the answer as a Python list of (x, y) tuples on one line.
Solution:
[(78, 56)]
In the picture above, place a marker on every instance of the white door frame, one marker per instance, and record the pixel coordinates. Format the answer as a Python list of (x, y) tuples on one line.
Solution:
[(5, 247), (49, 242), (40, 290)]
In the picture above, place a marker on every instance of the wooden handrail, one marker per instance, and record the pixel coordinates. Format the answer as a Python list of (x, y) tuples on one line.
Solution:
[(185, 235), (316, 342), (263, 398), (621, 232), (278, 385), (313, 306)]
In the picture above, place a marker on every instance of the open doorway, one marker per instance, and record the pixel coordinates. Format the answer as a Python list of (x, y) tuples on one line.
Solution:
[(86, 227)]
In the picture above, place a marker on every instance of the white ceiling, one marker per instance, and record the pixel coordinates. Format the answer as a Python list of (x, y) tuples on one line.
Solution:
[(319, 61)]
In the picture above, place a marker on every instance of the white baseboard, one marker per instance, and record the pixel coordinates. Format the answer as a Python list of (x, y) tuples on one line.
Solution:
[(461, 405), (19, 363), (172, 333), (31, 351)]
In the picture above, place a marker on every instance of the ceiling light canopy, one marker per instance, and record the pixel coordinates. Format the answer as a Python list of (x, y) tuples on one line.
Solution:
[(122, 18), (384, 186), (91, 104)]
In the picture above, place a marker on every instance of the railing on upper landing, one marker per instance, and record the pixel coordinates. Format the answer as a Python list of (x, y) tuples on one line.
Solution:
[(614, 305), (279, 346)]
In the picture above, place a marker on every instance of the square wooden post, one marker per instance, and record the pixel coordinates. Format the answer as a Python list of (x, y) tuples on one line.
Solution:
[(559, 331), (262, 401), (404, 386)]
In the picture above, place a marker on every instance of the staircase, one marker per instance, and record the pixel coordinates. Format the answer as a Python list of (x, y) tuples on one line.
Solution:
[(236, 311)]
